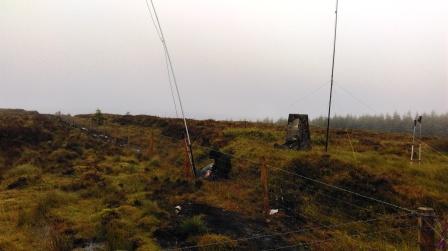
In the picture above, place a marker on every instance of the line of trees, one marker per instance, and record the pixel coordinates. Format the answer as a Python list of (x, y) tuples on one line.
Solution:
[(433, 124)]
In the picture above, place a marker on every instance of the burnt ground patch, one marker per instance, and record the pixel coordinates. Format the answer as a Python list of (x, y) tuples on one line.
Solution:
[(292, 193), (219, 221)]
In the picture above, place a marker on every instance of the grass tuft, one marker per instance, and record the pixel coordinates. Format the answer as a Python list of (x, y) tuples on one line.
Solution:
[(193, 226)]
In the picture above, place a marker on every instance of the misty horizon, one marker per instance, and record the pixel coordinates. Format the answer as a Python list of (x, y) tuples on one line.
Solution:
[(234, 59)]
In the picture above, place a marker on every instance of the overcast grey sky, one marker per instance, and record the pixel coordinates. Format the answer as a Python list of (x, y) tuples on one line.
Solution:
[(233, 58)]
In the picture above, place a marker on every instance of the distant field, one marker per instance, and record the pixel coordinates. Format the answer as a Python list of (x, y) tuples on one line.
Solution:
[(69, 184)]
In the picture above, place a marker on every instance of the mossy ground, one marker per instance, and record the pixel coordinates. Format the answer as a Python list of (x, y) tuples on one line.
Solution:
[(65, 188)]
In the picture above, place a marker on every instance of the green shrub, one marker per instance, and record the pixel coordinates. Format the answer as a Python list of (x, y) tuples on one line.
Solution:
[(318, 140), (25, 170), (30, 156), (62, 156), (116, 158), (113, 197), (155, 161), (117, 232), (193, 226), (148, 223), (40, 212), (92, 178), (441, 174), (200, 154), (132, 168), (53, 199), (151, 208), (22, 176)]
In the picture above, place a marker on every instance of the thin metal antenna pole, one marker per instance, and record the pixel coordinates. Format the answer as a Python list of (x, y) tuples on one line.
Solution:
[(332, 75), (177, 87), (166, 57), (171, 85), (420, 143), (413, 139)]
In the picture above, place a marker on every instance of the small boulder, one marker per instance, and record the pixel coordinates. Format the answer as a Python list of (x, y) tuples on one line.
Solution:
[(19, 183)]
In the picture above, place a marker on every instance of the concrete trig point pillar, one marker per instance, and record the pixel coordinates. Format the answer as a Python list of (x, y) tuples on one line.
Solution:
[(298, 132), (426, 220)]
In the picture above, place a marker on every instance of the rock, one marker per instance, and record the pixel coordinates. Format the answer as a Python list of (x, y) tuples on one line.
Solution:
[(273, 211), (19, 183)]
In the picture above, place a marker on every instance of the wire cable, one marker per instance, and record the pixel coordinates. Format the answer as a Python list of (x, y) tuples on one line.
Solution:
[(311, 179), (351, 145), (433, 148), (171, 85), (308, 95), (286, 233), (346, 190), (166, 57), (337, 84), (153, 21), (411, 212), (372, 109), (156, 22), (165, 46), (332, 239), (307, 178)]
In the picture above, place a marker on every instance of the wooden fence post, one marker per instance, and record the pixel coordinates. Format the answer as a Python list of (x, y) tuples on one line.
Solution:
[(264, 182), (426, 225)]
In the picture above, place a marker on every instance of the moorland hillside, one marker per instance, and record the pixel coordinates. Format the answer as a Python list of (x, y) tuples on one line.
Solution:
[(77, 183)]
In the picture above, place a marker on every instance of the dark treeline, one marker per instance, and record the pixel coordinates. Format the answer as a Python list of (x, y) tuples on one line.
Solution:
[(432, 125)]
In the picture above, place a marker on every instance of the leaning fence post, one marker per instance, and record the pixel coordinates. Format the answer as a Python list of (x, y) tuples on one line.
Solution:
[(426, 224)]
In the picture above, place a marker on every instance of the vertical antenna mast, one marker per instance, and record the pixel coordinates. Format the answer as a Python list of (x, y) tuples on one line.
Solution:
[(413, 139), (332, 75), (420, 139)]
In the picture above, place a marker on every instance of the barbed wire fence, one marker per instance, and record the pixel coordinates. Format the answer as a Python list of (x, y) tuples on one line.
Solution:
[(323, 192)]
